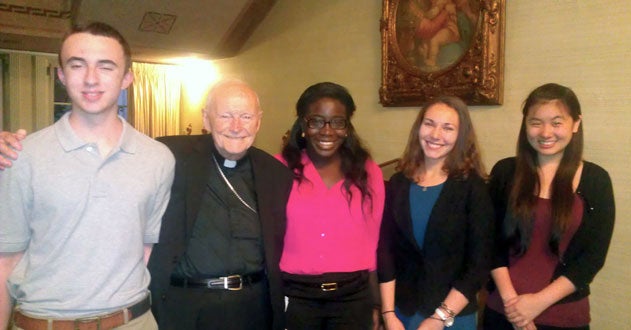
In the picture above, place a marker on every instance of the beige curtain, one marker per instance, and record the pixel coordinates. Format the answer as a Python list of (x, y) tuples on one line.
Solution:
[(155, 99)]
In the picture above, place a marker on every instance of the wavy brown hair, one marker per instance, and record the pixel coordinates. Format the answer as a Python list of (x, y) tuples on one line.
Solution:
[(463, 159), (526, 183)]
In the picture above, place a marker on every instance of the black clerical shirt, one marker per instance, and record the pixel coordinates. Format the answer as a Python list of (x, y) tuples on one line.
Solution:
[(226, 238)]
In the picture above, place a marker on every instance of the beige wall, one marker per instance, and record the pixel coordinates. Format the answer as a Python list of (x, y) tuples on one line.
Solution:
[(582, 44)]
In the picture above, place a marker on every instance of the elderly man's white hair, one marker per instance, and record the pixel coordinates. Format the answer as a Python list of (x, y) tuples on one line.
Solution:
[(226, 84)]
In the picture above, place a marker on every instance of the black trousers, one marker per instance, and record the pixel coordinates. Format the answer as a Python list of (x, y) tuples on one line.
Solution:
[(347, 308), (493, 320), (209, 309), (314, 314)]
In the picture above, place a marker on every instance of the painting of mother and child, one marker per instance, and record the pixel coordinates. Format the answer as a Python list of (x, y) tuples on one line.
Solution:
[(432, 35)]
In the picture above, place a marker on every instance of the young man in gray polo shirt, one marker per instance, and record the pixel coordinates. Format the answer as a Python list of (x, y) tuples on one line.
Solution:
[(82, 206)]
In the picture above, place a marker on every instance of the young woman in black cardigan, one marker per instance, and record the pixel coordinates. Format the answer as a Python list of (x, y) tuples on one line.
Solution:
[(437, 228), (555, 215)]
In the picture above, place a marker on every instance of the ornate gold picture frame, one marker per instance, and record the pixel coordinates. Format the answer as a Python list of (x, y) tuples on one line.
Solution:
[(442, 47)]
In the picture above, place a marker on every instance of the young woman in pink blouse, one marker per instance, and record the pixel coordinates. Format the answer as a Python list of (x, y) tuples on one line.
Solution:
[(333, 215)]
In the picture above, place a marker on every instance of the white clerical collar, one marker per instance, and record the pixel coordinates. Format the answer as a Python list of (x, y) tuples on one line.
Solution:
[(229, 163)]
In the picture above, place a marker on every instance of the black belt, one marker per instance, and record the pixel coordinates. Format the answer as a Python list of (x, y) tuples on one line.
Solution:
[(328, 281), (230, 282)]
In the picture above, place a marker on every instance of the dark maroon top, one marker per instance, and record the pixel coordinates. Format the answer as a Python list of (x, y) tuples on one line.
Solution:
[(533, 271)]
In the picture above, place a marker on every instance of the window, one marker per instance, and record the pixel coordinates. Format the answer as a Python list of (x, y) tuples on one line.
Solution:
[(61, 101)]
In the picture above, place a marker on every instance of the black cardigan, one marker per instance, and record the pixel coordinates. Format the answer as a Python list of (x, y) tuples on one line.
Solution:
[(586, 252), (457, 248)]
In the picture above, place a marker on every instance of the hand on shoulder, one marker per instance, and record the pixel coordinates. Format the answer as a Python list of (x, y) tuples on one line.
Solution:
[(10, 146)]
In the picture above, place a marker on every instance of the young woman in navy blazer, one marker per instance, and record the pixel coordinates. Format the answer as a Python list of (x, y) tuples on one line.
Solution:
[(437, 228)]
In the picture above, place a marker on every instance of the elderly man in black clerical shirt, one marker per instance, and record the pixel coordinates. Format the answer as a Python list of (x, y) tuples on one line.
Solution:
[(216, 263)]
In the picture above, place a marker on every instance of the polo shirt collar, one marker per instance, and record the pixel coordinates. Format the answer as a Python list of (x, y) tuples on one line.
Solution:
[(70, 141)]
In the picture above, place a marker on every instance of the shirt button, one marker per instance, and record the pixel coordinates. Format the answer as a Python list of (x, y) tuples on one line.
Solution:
[(322, 235), (90, 149)]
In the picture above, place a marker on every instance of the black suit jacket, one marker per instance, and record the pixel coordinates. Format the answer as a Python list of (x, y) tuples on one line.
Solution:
[(272, 181), (456, 252)]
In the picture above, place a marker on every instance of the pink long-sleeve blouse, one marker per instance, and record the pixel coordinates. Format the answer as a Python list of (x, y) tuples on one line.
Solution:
[(327, 234)]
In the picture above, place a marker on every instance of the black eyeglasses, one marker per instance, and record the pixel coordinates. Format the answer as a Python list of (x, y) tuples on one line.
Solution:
[(319, 123)]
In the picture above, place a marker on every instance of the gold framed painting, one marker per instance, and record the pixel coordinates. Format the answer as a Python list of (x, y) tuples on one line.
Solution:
[(442, 47)]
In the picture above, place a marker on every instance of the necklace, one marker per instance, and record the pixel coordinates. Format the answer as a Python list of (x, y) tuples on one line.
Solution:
[(424, 181)]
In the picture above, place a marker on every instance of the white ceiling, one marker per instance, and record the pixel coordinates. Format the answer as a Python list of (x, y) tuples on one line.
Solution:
[(171, 28)]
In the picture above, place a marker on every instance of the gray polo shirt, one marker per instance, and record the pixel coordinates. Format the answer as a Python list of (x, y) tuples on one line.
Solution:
[(82, 219)]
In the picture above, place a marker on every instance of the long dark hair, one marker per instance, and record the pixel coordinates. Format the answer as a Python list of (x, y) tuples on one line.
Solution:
[(526, 184), (463, 159), (352, 152)]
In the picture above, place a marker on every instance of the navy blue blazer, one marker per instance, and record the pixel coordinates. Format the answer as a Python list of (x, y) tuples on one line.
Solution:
[(456, 252)]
